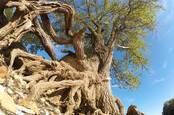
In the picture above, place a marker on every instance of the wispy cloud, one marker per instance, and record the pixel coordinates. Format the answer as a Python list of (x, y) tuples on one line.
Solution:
[(115, 86), (157, 81)]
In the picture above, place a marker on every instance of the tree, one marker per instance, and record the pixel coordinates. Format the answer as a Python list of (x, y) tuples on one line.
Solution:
[(168, 108), (80, 81)]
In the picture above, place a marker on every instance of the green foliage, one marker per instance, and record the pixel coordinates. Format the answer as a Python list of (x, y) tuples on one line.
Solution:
[(168, 108), (134, 19), (125, 78)]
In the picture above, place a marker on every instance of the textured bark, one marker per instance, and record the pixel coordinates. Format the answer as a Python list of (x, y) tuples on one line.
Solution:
[(79, 84)]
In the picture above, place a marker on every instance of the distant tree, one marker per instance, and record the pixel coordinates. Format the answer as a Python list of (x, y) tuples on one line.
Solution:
[(168, 108)]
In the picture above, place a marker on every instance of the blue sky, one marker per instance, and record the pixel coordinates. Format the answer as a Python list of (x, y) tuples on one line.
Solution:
[(157, 83)]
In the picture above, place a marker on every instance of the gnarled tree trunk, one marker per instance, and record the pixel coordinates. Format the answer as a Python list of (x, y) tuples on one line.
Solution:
[(75, 85)]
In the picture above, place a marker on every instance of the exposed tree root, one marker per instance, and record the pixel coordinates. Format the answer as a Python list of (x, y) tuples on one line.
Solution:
[(75, 85), (51, 77)]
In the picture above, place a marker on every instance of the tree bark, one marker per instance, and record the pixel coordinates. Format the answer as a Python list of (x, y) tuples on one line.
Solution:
[(79, 84)]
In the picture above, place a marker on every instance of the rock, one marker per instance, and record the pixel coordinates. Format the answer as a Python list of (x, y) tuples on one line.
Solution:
[(133, 110)]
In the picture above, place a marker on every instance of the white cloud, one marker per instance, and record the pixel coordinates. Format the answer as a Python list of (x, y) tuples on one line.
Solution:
[(157, 81), (115, 86)]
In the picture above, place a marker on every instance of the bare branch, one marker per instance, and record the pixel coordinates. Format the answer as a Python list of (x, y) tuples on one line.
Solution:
[(48, 26), (112, 39), (45, 40), (123, 47)]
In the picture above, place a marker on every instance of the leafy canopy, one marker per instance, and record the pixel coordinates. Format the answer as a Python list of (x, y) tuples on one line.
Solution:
[(134, 18)]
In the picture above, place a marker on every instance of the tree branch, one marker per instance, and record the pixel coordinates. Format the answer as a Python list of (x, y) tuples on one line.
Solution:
[(45, 39), (122, 47), (78, 43), (49, 28)]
